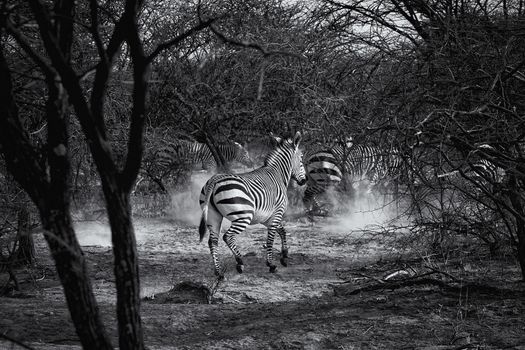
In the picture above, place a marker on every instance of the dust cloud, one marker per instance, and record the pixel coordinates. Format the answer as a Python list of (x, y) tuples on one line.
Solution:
[(184, 209), (185, 201), (98, 233), (93, 233), (367, 212), (360, 210)]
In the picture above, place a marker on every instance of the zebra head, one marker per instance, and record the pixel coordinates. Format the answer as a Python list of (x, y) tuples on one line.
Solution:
[(298, 171), (242, 155), (291, 146)]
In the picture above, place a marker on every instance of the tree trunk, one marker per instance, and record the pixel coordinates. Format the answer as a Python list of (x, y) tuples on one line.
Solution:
[(517, 204), (521, 249), (72, 270), (47, 186), (26, 248), (126, 267)]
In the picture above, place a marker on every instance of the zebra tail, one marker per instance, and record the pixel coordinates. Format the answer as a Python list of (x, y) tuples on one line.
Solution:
[(204, 217), (202, 226)]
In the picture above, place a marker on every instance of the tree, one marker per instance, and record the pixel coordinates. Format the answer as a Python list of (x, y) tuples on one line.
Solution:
[(72, 90)]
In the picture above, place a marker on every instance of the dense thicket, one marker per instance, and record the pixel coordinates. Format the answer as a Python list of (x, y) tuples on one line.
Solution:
[(442, 81)]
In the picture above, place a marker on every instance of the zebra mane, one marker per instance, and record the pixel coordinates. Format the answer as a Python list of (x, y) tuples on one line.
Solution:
[(285, 144)]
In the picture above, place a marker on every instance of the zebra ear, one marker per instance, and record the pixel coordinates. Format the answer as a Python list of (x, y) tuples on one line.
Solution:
[(275, 138), (297, 139), (349, 142)]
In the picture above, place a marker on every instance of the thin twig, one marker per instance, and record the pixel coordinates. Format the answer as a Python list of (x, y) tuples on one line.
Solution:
[(17, 342), (237, 301)]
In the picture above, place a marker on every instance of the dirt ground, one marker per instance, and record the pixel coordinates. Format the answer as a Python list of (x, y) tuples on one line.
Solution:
[(311, 304)]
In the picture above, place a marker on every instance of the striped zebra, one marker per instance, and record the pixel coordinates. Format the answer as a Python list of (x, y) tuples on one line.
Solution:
[(255, 197), (198, 154), (483, 170), (327, 168), (488, 171)]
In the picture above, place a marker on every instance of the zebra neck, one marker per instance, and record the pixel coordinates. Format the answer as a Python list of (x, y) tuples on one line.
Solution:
[(282, 176), (280, 165), (338, 151)]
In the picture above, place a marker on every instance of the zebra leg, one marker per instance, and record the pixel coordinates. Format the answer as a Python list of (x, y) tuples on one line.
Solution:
[(284, 249), (316, 207), (213, 243), (229, 237), (214, 227), (307, 200), (269, 248), (310, 202)]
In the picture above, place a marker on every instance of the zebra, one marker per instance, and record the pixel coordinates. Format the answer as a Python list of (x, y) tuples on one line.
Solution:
[(255, 197), (485, 175), (327, 168), (488, 171), (196, 153), (481, 170), (171, 161)]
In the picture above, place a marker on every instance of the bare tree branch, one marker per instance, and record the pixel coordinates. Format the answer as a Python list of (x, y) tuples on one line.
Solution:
[(251, 45), (46, 67), (138, 111), (93, 127), (179, 38), (15, 144), (93, 5)]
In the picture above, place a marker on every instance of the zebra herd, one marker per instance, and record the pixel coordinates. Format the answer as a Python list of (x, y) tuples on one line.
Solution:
[(260, 196), (327, 168)]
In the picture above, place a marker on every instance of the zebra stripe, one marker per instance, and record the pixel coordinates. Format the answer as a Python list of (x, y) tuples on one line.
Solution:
[(488, 171), (482, 169), (196, 153), (326, 168), (255, 197)]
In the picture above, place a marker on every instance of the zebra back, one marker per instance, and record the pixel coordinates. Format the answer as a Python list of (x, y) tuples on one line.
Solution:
[(196, 153), (182, 152), (235, 152), (357, 162)]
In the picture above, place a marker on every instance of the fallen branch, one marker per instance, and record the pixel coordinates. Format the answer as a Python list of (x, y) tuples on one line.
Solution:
[(417, 281), (441, 272)]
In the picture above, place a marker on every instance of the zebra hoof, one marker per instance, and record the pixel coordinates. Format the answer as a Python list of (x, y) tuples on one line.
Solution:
[(240, 268), (273, 268), (284, 261)]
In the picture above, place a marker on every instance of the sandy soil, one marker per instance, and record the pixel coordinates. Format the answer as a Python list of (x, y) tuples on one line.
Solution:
[(307, 305)]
